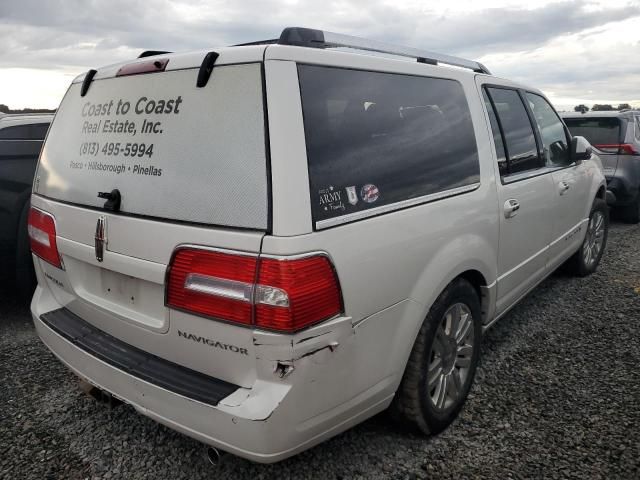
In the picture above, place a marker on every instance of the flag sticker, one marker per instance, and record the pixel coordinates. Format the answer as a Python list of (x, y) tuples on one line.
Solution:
[(369, 193)]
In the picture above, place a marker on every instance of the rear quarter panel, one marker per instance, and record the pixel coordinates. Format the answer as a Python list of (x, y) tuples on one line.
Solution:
[(404, 258)]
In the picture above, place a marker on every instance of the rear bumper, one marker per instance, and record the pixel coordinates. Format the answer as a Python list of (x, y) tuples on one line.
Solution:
[(136, 362), (232, 425)]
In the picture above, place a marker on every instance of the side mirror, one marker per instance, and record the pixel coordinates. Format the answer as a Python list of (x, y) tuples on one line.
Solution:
[(580, 149)]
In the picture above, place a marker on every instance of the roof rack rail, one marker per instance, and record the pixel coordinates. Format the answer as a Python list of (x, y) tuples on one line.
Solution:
[(308, 37), (259, 42)]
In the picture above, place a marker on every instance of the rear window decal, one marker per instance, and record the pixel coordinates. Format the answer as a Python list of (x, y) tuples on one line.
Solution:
[(152, 137), (330, 199), (369, 193), (352, 196)]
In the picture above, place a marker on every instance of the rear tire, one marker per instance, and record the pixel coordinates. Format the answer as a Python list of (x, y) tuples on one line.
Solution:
[(586, 260), (631, 213), (443, 361)]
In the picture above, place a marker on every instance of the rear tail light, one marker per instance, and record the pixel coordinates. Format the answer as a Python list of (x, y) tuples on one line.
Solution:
[(213, 284), (282, 294), (41, 227), (293, 294), (619, 149)]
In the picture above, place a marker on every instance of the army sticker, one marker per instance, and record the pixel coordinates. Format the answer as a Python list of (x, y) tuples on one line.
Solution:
[(369, 193), (352, 196), (330, 199)]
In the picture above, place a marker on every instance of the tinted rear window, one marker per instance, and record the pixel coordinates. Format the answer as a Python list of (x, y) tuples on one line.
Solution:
[(34, 131), (377, 139), (598, 131)]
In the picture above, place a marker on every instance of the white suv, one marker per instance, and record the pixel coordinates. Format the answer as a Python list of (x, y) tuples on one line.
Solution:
[(261, 246)]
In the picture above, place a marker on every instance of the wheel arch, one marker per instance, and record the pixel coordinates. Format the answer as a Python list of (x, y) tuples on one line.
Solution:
[(478, 266), (479, 269), (486, 294), (482, 287)]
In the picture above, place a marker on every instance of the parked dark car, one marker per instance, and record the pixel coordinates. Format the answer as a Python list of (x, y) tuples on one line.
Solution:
[(21, 137), (615, 137)]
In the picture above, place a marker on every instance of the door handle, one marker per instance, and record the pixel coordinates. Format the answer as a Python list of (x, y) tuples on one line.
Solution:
[(511, 208), (563, 187)]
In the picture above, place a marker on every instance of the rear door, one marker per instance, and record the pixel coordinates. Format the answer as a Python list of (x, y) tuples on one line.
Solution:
[(525, 196), (190, 166)]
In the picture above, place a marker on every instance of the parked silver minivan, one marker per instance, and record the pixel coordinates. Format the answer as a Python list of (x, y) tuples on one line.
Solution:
[(261, 246)]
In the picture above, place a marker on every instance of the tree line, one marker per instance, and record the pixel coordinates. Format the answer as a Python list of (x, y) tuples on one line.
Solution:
[(603, 107), (6, 109)]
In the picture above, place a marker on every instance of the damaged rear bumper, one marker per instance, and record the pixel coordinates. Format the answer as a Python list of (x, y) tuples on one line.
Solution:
[(293, 405)]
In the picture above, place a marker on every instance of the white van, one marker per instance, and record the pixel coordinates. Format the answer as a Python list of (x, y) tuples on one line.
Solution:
[(261, 246)]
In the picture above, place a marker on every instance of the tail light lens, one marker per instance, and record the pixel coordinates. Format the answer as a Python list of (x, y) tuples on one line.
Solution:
[(311, 289), (213, 284), (41, 227), (278, 294), (619, 149)]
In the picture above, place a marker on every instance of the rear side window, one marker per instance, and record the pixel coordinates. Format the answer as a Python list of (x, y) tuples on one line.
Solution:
[(554, 136), (598, 131), (380, 139), (35, 131), (519, 138), (637, 128)]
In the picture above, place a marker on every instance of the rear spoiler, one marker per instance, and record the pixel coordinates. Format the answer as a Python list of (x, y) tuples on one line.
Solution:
[(155, 66)]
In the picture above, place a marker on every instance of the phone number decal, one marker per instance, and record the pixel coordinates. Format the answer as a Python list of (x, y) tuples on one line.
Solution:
[(109, 149)]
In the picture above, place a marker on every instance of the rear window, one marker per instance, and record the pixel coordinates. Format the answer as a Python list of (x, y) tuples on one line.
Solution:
[(173, 150), (598, 131), (34, 131), (380, 141)]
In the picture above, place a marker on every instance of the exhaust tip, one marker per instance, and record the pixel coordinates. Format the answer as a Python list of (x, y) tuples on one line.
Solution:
[(213, 455), (101, 396)]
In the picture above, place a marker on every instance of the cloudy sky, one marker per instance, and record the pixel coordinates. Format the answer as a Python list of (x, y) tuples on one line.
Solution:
[(575, 51)]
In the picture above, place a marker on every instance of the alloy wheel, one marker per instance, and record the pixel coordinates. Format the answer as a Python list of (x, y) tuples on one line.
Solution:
[(450, 358), (594, 239)]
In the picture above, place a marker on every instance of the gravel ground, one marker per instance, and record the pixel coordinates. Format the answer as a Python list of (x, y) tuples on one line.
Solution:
[(557, 396)]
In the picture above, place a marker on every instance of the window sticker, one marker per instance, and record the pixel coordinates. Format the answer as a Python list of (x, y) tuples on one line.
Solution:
[(352, 196), (330, 199), (369, 193)]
